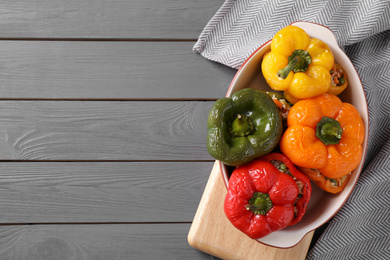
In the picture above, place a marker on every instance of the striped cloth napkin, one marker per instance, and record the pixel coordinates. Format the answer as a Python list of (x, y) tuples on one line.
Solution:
[(361, 229)]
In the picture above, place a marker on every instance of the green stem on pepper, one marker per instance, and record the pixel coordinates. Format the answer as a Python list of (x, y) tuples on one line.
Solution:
[(241, 125), (259, 204), (298, 62), (329, 131)]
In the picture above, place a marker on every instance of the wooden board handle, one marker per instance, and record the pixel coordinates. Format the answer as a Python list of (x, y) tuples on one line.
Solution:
[(212, 233)]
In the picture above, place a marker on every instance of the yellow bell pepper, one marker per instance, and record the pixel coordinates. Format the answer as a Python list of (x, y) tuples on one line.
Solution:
[(339, 82), (297, 64)]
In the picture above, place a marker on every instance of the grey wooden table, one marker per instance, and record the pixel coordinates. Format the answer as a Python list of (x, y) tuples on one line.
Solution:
[(103, 116)]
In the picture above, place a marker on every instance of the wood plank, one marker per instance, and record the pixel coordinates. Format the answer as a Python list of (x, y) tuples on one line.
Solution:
[(123, 19), (111, 130), (81, 192), (109, 70), (97, 242)]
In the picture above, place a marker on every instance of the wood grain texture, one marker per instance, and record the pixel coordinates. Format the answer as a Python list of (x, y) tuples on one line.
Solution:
[(95, 130), (109, 70), (120, 19), (100, 192), (211, 231), (105, 179), (97, 242)]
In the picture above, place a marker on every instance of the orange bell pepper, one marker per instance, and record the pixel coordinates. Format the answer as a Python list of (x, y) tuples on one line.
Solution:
[(324, 134), (330, 185)]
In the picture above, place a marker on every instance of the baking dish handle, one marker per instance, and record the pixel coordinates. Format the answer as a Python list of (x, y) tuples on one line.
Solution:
[(317, 31)]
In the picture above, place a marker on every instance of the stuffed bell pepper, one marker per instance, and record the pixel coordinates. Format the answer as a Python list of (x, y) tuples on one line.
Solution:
[(339, 80), (283, 104), (243, 127), (324, 138), (266, 195), (297, 64)]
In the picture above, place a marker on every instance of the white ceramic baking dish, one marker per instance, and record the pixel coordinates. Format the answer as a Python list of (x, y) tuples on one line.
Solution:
[(322, 206)]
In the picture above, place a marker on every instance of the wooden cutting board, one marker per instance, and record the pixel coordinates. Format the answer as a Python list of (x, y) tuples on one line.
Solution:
[(212, 233)]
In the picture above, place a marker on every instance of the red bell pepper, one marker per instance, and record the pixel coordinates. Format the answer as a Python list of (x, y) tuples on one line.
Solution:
[(301, 179), (262, 199)]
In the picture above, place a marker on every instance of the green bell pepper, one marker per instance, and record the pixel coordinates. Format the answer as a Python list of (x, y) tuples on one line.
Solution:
[(243, 127)]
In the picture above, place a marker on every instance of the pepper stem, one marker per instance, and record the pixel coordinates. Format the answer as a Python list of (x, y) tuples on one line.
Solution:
[(329, 131), (298, 62), (241, 126), (259, 204)]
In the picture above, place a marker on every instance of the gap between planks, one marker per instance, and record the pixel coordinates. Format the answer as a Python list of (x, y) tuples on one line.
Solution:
[(110, 99), (69, 160), (95, 223), (98, 40)]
